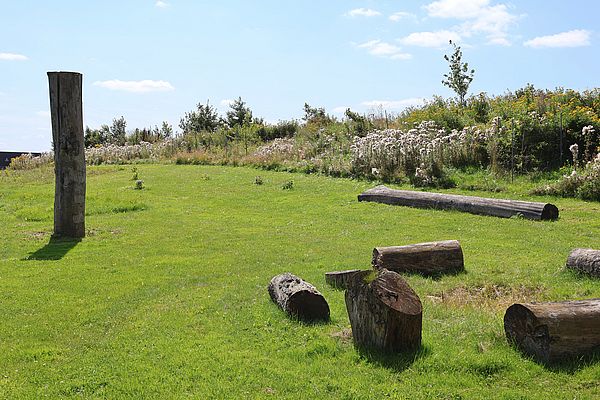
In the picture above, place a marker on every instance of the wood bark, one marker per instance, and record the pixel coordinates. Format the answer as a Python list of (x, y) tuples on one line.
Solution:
[(385, 313), (340, 279), (432, 258), (552, 332), (69, 153), (586, 261), (298, 298), (470, 204)]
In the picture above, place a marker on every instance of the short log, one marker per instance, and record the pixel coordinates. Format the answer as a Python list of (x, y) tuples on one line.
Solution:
[(470, 204), (586, 261), (552, 332), (340, 279), (385, 313), (432, 258), (298, 298)]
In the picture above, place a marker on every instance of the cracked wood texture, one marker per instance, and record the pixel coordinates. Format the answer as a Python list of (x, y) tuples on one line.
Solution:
[(474, 205), (429, 259), (385, 313), (586, 261), (552, 332), (298, 298), (69, 153)]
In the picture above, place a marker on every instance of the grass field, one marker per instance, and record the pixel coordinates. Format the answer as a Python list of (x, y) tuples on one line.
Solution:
[(166, 296)]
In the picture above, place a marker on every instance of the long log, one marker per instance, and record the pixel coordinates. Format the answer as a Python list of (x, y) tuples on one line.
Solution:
[(552, 332), (298, 298), (586, 261), (432, 258), (66, 112), (340, 279), (470, 204), (385, 313)]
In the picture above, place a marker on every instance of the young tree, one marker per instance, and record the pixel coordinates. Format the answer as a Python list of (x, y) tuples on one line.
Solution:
[(239, 114), (204, 119), (459, 78)]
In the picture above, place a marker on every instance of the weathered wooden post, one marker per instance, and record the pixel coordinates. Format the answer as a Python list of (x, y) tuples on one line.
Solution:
[(69, 153)]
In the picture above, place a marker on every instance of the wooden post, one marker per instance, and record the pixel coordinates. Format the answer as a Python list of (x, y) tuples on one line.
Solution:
[(69, 153)]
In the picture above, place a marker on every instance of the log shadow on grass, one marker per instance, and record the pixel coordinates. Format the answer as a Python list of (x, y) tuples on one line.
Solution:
[(55, 249), (568, 366), (397, 362)]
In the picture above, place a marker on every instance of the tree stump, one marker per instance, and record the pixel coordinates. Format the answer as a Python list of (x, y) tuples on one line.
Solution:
[(69, 153), (340, 279), (586, 261), (471, 204), (298, 298), (385, 313), (552, 332), (433, 258)]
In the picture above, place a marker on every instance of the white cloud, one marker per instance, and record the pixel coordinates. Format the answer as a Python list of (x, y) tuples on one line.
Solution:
[(363, 12), (384, 49), (43, 114), (394, 104), (574, 38), (12, 57), (161, 4), (430, 39), (461, 9), (144, 86), (226, 102), (479, 17), (397, 16)]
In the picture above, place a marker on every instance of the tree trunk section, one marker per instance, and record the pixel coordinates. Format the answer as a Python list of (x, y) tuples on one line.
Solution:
[(385, 313), (552, 332), (433, 258), (586, 261), (298, 298), (470, 204), (69, 153), (340, 279)]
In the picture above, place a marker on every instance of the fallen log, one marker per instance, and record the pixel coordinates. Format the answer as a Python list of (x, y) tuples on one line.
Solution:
[(474, 205), (586, 261), (298, 298), (552, 332), (340, 279), (433, 258), (385, 313)]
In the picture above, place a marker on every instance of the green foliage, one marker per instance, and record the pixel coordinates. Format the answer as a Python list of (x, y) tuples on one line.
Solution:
[(289, 185), (204, 119), (239, 114), (358, 123), (316, 116), (460, 77)]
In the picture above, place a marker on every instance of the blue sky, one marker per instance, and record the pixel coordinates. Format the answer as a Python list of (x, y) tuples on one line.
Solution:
[(151, 60)]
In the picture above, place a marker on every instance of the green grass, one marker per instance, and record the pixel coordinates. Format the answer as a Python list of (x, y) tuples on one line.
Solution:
[(166, 297)]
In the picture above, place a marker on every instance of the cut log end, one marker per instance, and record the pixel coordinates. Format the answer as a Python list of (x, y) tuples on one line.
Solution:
[(524, 330), (549, 212), (298, 298)]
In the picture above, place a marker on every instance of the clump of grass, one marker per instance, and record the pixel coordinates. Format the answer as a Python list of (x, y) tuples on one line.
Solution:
[(258, 180), (289, 185), (139, 184), (135, 176)]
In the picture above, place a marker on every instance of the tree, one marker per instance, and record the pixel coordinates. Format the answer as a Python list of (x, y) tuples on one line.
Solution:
[(316, 115), (204, 119), (239, 114), (118, 133), (459, 77)]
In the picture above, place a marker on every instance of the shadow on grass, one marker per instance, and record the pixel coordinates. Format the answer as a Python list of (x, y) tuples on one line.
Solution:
[(397, 362), (436, 276), (55, 249), (573, 365)]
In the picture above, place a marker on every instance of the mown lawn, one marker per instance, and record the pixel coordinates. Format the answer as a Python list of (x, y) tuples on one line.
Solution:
[(166, 297)]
